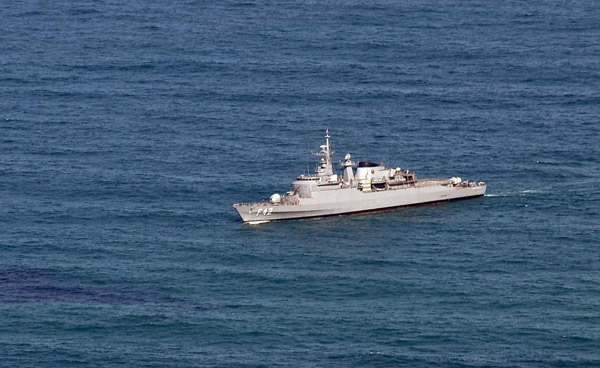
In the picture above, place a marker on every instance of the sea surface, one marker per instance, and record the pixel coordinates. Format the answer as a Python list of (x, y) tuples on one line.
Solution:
[(129, 128)]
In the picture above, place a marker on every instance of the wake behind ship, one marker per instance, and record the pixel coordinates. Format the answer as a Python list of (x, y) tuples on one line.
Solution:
[(371, 187)]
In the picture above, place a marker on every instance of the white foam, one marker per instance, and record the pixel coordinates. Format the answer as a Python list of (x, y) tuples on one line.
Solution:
[(257, 222)]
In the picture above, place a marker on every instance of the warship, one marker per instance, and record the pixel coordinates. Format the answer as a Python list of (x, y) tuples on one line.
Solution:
[(372, 187)]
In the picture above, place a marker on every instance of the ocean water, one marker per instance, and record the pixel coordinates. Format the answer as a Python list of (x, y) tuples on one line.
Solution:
[(128, 130)]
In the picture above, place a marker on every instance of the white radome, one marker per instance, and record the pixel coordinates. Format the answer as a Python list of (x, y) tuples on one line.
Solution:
[(275, 198)]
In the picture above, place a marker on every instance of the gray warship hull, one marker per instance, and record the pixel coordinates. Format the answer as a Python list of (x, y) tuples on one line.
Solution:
[(352, 200), (372, 188)]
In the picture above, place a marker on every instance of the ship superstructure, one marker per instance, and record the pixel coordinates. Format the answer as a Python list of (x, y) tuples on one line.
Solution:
[(371, 187)]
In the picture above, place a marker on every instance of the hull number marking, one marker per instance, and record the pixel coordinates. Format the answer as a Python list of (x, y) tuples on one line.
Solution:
[(264, 211)]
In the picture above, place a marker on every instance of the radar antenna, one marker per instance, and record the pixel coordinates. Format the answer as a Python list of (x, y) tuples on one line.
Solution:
[(348, 161)]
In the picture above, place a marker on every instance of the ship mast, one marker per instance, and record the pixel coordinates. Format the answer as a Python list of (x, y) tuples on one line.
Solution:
[(326, 166)]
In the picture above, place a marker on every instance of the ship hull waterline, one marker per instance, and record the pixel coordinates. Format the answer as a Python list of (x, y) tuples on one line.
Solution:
[(352, 201)]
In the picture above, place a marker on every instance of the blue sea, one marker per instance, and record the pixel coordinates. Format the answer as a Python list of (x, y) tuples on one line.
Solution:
[(129, 128)]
